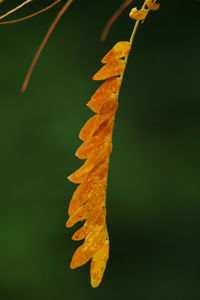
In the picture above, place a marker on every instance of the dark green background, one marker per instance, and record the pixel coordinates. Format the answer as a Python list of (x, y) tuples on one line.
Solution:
[(153, 196)]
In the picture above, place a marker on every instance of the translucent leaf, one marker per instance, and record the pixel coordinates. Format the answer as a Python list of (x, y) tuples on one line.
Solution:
[(138, 14), (81, 194), (98, 264), (151, 5), (81, 174), (87, 147), (78, 198), (100, 170), (113, 68), (109, 107), (96, 105), (88, 201), (92, 244), (80, 215), (95, 203), (110, 86), (100, 148), (121, 49), (104, 129), (88, 128), (102, 132), (94, 220)]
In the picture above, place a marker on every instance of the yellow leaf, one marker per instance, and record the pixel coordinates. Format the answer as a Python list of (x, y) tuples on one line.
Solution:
[(91, 163), (98, 264), (104, 92), (121, 49), (88, 201), (113, 68), (92, 244), (88, 128), (83, 192), (139, 15), (94, 220), (151, 5), (100, 148), (110, 106), (110, 86)]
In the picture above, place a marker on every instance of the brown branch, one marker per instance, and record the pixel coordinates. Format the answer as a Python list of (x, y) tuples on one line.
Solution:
[(38, 53), (112, 20), (32, 15), (15, 9)]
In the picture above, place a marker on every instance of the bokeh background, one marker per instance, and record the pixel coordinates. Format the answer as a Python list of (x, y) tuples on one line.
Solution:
[(153, 196)]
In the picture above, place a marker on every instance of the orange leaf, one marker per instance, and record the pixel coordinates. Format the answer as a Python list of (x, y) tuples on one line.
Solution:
[(100, 170), (92, 244), (109, 107), (88, 201), (96, 105), (82, 194), (81, 214), (110, 86), (79, 175), (95, 203), (121, 49), (138, 14), (87, 147), (151, 5), (98, 264), (78, 198), (113, 68), (104, 129), (94, 151), (88, 128), (94, 220)]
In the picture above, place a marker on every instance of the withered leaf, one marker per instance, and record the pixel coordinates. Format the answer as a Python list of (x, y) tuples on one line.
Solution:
[(88, 128), (98, 264), (121, 49), (92, 244), (94, 220), (107, 88), (152, 5), (88, 201), (113, 68), (138, 14)]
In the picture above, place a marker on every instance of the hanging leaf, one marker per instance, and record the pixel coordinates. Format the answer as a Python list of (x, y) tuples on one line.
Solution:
[(152, 5), (113, 68), (139, 15), (98, 264), (105, 91), (121, 49), (88, 201)]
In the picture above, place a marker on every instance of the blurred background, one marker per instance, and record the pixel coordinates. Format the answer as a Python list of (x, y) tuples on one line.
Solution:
[(153, 196)]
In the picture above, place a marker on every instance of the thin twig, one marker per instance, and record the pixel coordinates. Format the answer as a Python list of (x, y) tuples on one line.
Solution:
[(38, 53), (32, 15), (15, 9), (112, 20), (131, 42)]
